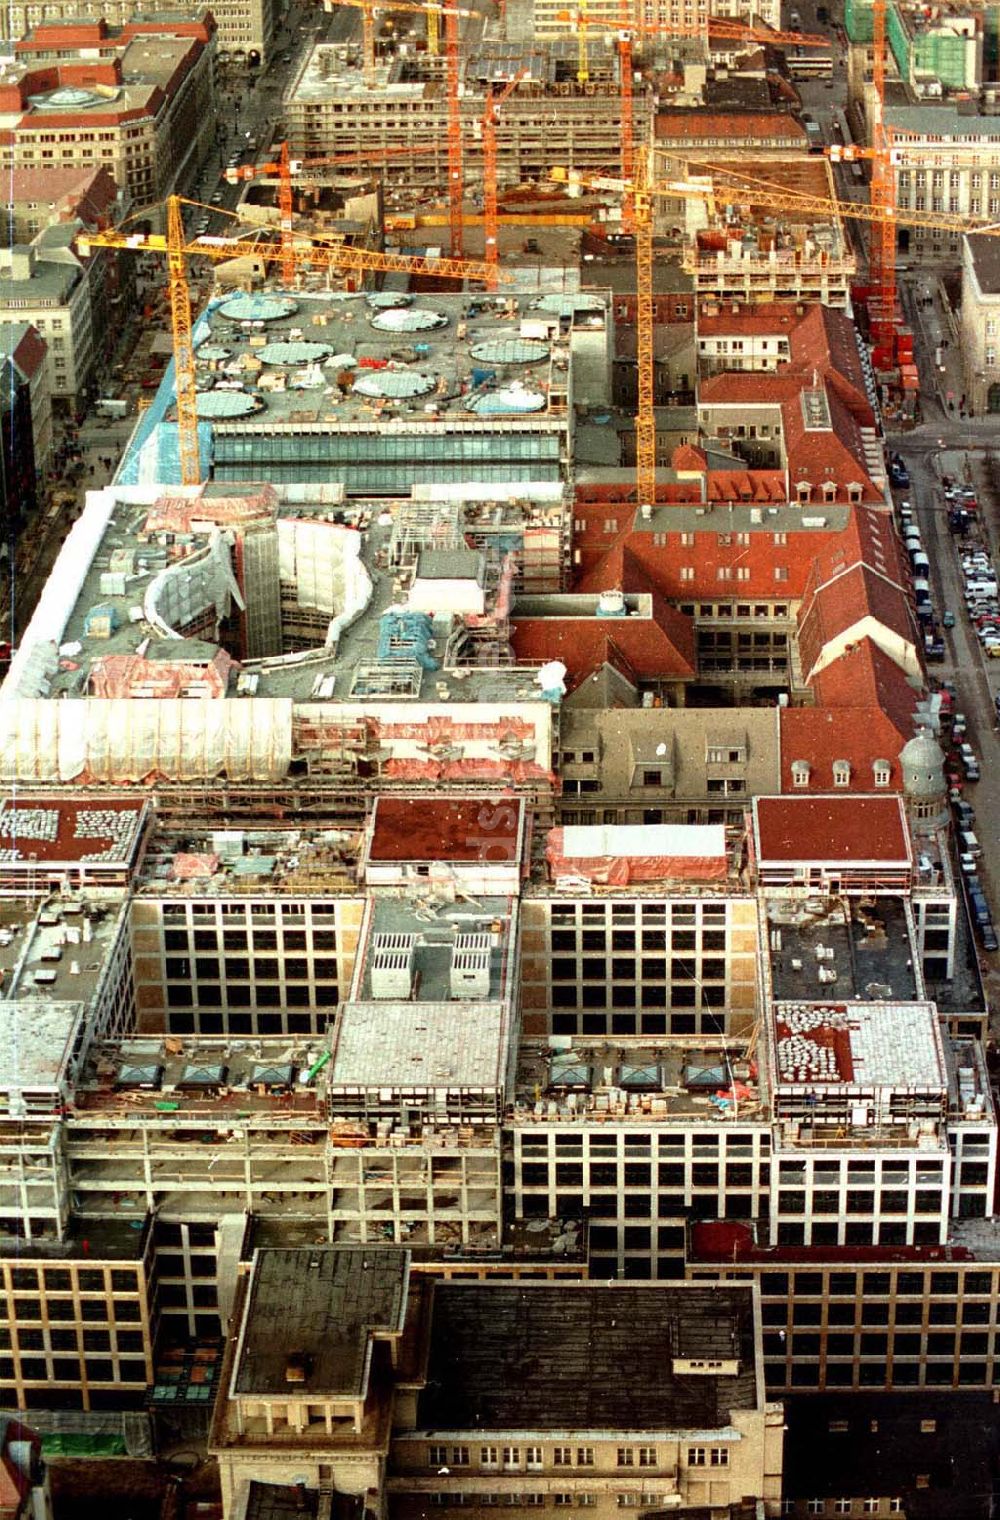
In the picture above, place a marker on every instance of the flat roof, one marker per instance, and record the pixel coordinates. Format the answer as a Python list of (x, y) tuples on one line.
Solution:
[(396, 1045), (56, 830), (36, 1042), (858, 948), (859, 1045), (647, 1083), (321, 1306), (383, 367), (847, 830), (58, 947), (587, 1356), (431, 925), (485, 830)]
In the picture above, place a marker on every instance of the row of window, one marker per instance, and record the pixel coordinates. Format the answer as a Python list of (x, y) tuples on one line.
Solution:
[(532, 1458)]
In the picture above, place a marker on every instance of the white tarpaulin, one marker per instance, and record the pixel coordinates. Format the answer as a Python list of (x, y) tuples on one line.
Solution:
[(185, 739)]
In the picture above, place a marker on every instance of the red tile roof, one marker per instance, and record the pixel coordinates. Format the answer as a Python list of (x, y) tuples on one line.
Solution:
[(858, 598), (641, 648), (635, 559), (841, 829), (820, 735), (865, 676)]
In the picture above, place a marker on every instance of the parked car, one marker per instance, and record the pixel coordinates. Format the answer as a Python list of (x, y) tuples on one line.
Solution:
[(948, 618), (965, 814), (980, 908), (988, 937), (971, 768)]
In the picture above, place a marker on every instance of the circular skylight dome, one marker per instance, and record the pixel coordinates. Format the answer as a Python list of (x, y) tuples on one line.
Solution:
[(416, 319), (293, 353), (211, 353), (258, 308), (394, 384), (223, 403), (509, 350), (509, 398)]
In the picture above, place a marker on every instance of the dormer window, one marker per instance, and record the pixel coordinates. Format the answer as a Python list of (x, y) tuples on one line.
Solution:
[(883, 771), (801, 770), (841, 773), (854, 492), (829, 490), (803, 491)]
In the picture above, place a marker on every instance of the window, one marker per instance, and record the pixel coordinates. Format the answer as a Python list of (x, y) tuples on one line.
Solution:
[(870, 1507), (841, 773), (781, 538), (533, 1458), (882, 770), (841, 1506), (459, 1456), (687, 540), (437, 1456), (687, 572), (697, 1456), (814, 1507), (800, 772), (512, 1456), (647, 1456), (781, 572), (561, 1456), (720, 1456), (626, 1456), (584, 1456), (489, 1456)]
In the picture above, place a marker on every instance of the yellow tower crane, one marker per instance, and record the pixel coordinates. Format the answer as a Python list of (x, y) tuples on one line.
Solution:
[(178, 249)]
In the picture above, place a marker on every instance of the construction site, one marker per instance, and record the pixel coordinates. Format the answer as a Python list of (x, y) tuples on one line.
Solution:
[(480, 843)]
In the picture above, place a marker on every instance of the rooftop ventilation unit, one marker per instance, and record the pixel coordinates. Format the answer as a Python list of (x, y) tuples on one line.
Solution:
[(470, 966), (392, 965)]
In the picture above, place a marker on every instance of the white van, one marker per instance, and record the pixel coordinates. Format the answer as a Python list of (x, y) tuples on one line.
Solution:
[(969, 844)]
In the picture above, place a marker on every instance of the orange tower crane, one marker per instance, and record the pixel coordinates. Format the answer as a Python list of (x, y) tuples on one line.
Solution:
[(287, 169), (491, 219), (178, 249), (451, 14), (729, 188)]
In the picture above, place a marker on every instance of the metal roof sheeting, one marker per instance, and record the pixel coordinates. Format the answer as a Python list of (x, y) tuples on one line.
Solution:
[(293, 353), (224, 403)]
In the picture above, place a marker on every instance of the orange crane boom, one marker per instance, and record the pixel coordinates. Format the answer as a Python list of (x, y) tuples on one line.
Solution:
[(491, 221), (178, 249)]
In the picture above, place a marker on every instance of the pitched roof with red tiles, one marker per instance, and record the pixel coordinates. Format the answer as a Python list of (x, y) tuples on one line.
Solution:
[(856, 597), (776, 569), (865, 676), (24, 346), (817, 455), (641, 648), (861, 735)]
